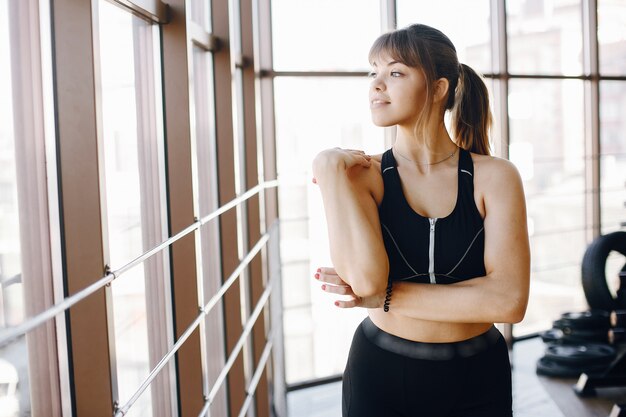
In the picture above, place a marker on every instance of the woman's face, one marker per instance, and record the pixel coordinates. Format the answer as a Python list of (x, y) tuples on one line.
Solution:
[(397, 93)]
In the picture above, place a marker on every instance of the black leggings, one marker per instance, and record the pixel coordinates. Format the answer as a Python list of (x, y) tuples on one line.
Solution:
[(387, 376)]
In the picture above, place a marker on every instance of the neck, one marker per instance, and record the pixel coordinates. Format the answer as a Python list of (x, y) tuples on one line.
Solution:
[(429, 148)]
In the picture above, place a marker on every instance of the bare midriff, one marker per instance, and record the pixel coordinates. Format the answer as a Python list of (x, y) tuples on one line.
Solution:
[(424, 330)]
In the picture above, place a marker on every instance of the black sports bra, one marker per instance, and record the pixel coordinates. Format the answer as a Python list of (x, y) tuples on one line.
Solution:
[(432, 250)]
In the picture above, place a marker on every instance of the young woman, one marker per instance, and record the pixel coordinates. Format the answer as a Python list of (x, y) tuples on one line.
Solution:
[(430, 237)]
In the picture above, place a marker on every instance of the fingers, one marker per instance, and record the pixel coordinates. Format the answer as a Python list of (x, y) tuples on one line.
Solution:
[(338, 289), (328, 275), (333, 284), (351, 303), (327, 270)]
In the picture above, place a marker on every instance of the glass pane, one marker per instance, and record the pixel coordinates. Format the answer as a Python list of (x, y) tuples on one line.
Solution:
[(199, 11), (14, 393), (612, 37), (544, 37), (134, 167), (314, 35), (472, 42), (613, 155), (546, 145), (304, 241), (206, 162)]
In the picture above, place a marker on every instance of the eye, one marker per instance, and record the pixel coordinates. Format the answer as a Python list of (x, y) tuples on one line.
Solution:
[(396, 74), (371, 74)]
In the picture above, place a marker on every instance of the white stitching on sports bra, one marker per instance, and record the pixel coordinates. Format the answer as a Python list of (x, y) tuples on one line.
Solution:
[(388, 168), (469, 247), (397, 247)]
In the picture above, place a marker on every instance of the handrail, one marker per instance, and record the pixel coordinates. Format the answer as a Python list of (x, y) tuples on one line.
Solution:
[(121, 411), (239, 345), (9, 334), (254, 381), (235, 352)]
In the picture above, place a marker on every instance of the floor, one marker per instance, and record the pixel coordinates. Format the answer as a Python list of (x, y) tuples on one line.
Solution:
[(533, 396)]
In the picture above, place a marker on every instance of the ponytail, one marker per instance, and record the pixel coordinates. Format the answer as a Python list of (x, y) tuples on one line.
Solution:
[(471, 117)]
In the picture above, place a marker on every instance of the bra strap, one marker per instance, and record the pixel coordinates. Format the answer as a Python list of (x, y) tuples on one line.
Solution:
[(466, 171)]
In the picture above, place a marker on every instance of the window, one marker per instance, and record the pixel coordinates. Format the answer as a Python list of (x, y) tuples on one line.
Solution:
[(544, 37), (473, 46), (312, 36), (14, 357), (27, 222), (134, 176), (611, 37)]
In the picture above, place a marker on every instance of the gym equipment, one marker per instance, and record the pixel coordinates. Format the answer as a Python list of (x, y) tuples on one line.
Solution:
[(549, 367), (581, 355), (613, 376), (556, 336), (618, 410), (569, 361), (594, 281), (621, 291), (618, 318), (590, 334), (617, 335), (590, 319)]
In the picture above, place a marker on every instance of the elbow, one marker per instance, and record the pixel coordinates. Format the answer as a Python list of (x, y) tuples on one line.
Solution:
[(514, 312), (369, 289), (370, 282), (516, 316)]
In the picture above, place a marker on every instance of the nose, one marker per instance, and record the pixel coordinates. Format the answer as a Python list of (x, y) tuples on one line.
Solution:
[(377, 84)]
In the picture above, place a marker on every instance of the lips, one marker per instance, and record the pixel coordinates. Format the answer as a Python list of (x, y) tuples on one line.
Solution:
[(377, 103)]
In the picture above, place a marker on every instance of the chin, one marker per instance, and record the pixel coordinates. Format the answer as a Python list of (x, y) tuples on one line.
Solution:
[(377, 121)]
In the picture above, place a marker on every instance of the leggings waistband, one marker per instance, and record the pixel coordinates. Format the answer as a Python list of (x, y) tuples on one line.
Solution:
[(430, 351)]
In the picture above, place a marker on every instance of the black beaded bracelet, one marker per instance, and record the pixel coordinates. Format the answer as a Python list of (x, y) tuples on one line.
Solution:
[(387, 297)]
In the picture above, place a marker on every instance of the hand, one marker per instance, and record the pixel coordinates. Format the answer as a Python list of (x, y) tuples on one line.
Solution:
[(335, 285), (348, 158)]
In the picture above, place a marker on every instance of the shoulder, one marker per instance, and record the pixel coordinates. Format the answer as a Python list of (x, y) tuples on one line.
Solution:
[(486, 167), (495, 176), (492, 165)]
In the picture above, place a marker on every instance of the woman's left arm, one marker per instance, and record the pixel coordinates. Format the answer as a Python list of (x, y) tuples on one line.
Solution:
[(501, 296)]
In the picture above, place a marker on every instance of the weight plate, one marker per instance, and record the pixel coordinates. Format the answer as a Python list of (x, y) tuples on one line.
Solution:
[(548, 367), (556, 336), (552, 336), (593, 271), (590, 319), (589, 335), (583, 354)]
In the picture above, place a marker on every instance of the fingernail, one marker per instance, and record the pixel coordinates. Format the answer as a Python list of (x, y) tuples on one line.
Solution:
[(324, 287), (337, 303), (319, 269), (317, 276)]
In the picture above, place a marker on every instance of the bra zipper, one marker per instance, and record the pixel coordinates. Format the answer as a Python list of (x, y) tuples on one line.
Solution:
[(431, 251)]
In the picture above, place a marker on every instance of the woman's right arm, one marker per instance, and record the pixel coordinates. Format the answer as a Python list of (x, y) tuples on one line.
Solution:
[(357, 250)]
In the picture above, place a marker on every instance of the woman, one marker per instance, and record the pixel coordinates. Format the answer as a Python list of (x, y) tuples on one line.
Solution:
[(430, 237)]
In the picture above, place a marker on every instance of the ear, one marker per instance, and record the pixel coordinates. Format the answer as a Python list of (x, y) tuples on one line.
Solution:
[(441, 89)]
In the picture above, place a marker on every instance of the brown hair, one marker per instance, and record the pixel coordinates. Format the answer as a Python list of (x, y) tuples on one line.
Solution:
[(428, 49)]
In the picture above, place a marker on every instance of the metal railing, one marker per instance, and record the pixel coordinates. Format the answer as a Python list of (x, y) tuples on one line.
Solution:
[(121, 411), (9, 334)]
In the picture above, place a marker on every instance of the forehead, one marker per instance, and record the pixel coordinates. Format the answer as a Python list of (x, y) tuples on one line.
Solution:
[(384, 58)]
